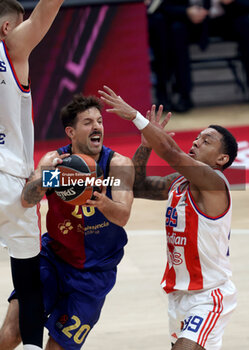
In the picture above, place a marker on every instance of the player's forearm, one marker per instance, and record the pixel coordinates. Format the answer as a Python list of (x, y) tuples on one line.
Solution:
[(147, 187), (42, 18), (47, 5), (116, 212), (162, 144), (140, 160), (33, 191), (26, 36)]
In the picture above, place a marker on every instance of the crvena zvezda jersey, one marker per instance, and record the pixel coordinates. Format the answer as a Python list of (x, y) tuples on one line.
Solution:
[(197, 244), (16, 124)]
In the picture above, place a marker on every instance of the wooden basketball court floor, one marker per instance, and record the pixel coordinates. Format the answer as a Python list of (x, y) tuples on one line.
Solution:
[(134, 316)]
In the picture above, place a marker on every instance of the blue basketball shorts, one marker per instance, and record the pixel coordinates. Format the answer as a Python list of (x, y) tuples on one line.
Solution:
[(73, 299)]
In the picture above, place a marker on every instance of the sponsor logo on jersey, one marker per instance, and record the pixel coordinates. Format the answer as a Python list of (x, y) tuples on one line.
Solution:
[(61, 321), (2, 67), (65, 227), (173, 240), (176, 240)]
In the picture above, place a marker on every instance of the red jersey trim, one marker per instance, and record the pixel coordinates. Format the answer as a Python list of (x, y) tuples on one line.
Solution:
[(14, 72), (201, 212)]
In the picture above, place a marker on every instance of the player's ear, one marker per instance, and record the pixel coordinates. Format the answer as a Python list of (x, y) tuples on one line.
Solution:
[(5, 27), (69, 130), (222, 159)]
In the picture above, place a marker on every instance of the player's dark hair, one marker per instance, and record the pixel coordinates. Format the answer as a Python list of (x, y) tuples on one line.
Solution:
[(78, 104), (229, 144), (9, 7)]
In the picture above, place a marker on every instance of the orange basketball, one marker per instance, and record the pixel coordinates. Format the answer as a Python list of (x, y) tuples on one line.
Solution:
[(80, 176)]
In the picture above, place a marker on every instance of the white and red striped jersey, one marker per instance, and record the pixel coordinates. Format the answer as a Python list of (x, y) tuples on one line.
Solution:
[(197, 244), (16, 125)]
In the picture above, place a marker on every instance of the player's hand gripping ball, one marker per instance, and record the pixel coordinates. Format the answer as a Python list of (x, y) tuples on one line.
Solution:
[(80, 176)]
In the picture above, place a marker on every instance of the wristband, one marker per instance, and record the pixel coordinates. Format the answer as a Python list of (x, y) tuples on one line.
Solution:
[(140, 122)]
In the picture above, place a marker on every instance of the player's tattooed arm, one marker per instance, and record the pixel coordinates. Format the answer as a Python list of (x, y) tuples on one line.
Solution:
[(33, 191), (149, 187)]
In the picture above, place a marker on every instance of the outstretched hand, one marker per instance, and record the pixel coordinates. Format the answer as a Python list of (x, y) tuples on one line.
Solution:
[(117, 104), (155, 119), (125, 111)]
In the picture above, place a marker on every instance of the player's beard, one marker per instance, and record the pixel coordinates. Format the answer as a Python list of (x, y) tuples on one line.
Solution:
[(89, 148)]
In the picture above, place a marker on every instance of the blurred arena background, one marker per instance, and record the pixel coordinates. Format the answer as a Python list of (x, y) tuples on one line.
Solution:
[(93, 43)]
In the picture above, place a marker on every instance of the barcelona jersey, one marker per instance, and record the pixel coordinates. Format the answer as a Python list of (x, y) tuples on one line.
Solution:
[(82, 236)]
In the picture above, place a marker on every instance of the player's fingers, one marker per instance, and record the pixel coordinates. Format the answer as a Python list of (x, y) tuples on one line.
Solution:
[(114, 110), (95, 199), (152, 113), (65, 155), (107, 98), (104, 188), (109, 90), (166, 120), (148, 115), (90, 203), (159, 113), (97, 195), (56, 161)]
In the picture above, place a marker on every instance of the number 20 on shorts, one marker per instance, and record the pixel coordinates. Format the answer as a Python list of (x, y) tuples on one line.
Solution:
[(82, 330)]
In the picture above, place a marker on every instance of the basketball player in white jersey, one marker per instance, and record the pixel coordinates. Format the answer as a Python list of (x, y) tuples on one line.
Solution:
[(19, 229), (198, 218)]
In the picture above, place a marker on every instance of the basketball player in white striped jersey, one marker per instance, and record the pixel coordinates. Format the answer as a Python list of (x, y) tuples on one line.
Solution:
[(19, 229), (198, 219)]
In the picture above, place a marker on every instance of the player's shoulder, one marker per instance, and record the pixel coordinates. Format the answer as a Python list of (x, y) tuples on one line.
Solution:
[(119, 159)]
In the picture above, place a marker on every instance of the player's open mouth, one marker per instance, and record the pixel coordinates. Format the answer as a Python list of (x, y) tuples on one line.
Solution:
[(95, 139), (191, 153)]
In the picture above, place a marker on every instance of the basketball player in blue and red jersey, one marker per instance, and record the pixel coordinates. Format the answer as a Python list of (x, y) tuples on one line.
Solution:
[(198, 219), (83, 245), (19, 230)]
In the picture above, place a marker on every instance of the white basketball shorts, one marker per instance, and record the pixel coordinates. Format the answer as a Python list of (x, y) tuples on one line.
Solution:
[(19, 227), (201, 316)]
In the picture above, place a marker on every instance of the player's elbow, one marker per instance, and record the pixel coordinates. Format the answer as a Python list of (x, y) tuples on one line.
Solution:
[(26, 204), (124, 218)]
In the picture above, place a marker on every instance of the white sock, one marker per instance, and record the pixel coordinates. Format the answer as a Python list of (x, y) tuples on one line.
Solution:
[(31, 347)]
